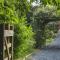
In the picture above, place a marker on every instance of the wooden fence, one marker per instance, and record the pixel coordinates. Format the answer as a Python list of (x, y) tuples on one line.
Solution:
[(6, 41)]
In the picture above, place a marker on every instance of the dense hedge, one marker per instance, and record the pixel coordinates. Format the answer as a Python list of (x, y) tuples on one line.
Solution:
[(23, 40), (12, 11), (50, 32), (39, 20)]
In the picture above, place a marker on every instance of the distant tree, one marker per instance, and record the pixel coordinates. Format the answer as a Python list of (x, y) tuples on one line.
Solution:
[(42, 15)]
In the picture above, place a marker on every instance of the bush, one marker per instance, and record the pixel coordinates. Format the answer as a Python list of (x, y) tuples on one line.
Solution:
[(50, 31), (10, 12), (40, 17), (23, 40)]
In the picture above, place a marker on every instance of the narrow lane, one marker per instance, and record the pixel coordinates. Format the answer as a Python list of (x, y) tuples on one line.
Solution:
[(51, 52)]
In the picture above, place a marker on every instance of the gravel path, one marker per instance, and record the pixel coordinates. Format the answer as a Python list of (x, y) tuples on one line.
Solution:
[(51, 52)]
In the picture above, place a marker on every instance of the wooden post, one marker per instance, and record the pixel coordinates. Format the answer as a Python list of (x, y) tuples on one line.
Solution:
[(6, 41)]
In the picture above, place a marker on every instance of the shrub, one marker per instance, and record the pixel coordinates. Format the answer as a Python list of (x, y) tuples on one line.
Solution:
[(12, 11), (50, 32), (23, 40)]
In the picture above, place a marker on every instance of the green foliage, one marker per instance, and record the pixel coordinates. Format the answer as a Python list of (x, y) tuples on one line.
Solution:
[(14, 11), (42, 15), (53, 2), (7, 12), (50, 32), (23, 39), (24, 42), (1, 1), (22, 7)]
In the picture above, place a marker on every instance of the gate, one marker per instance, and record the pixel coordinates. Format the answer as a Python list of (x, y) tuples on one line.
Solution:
[(6, 41)]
